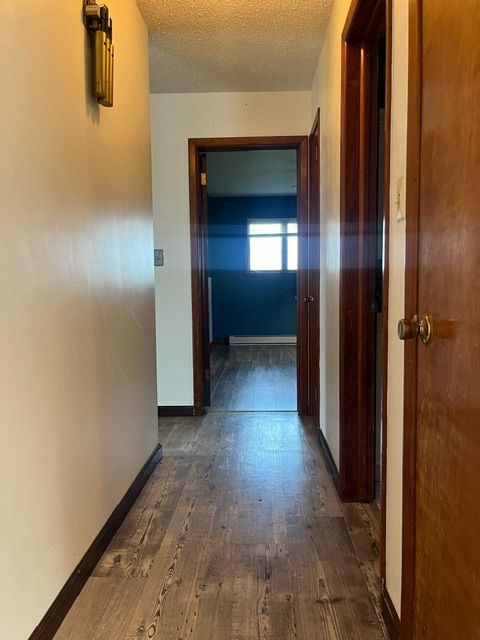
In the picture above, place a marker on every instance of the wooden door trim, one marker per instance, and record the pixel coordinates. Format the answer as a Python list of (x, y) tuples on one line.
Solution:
[(385, 293), (411, 303), (356, 194), (314, 273), (203, 256), (349, 195), (196, 146), (196, 274)]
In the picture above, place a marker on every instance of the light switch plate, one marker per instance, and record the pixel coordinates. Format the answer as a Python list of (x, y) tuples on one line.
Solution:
[(158, 258), (400, 200)]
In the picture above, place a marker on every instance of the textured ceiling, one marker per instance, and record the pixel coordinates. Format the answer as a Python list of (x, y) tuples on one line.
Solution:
[(252, 173), (234, 45)]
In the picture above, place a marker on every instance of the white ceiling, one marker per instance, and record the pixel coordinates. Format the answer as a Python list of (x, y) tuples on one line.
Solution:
[(252, 173), (234, 45)]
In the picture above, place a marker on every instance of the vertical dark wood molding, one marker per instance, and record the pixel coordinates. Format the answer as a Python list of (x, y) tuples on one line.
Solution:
[(314, 310), (386, 281), (302, 279), (365, 22), (390, 616), (196, 146), (350, 465), (205, 314), (411, 302), (55, 615), (361, 19), (195, 238)]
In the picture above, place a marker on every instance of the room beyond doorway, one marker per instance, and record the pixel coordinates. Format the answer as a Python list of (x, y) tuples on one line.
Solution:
[(252, 263), (273, 238)]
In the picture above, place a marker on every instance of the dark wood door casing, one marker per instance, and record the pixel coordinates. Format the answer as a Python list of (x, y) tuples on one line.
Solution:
[(203, 249), (366, 23), (197, 278), (196, 147), (314, 271), (303, 356)]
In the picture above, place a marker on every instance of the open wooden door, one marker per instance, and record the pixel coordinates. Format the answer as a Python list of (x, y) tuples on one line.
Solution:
[(314, 273), (441, 553)]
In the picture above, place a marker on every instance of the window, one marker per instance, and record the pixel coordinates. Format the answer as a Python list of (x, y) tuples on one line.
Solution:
[(272, 245)]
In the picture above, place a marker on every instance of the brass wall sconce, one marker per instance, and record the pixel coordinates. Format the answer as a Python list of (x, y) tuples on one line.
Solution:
[(99, 26)]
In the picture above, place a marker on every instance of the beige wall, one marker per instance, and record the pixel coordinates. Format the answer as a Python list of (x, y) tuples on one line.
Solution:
[(175, 118), (396, 298), (326, 95), (77, 368), (326, 92)]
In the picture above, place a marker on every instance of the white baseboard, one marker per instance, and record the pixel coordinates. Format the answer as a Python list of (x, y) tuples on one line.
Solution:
[(238, 341)]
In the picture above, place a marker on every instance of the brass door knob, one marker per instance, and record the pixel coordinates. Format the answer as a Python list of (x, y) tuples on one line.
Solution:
[(408, 329), (425, 329)]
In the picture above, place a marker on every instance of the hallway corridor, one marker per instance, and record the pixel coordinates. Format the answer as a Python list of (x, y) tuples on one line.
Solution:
[(238, 535)]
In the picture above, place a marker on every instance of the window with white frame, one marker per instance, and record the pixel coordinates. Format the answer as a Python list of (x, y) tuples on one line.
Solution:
[(272, 245)]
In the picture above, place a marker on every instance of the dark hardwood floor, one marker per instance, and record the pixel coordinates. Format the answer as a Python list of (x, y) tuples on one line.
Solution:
[(238, 535), (254, 378)]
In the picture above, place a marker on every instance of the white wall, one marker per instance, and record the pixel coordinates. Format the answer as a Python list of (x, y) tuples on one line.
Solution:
[(77, 367), (326, 94), (396, 297), (175, 119)]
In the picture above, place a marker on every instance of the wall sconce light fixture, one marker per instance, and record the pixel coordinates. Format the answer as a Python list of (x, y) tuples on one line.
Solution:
[(99, 27)]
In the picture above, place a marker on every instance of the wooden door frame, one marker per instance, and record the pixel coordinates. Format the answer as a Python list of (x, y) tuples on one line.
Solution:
[(203, 260), (196, 146), (411, 306), (357, 195), (314, 273)]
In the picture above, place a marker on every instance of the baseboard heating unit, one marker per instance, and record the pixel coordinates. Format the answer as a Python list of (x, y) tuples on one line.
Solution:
[(238, 341)]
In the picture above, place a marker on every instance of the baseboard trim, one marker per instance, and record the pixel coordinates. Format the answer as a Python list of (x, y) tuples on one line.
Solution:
[(55, 615), (175, 412), (246, 341), (390, 616), (329, 461)]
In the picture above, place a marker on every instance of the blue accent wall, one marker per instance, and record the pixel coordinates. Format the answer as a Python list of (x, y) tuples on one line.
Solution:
[(243, 303)]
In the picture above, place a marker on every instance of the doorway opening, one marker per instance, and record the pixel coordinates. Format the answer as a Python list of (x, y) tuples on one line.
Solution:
[(266, 242), (252, 263), (364, 216)]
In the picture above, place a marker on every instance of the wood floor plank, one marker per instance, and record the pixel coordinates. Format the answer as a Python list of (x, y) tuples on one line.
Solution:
[(314, 616), (103, 609)]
